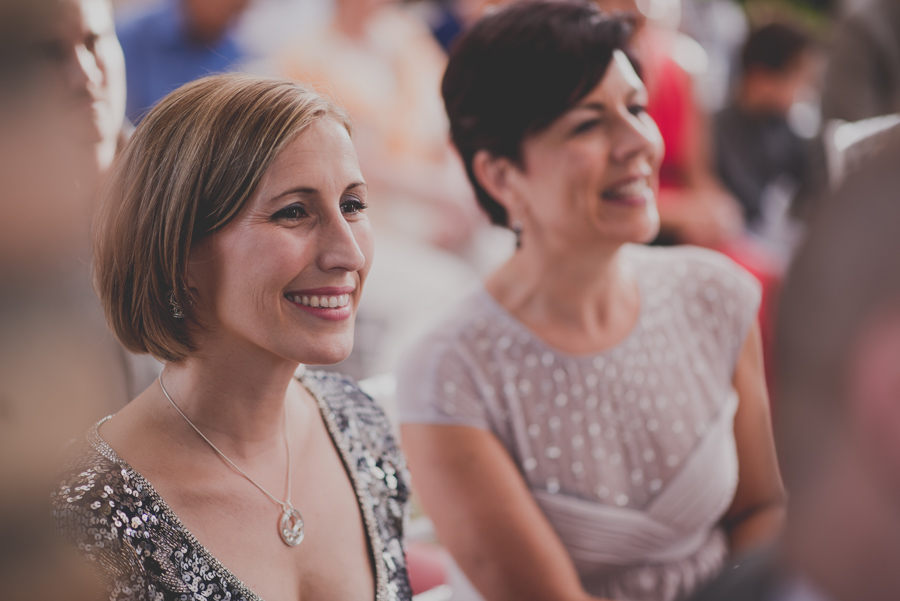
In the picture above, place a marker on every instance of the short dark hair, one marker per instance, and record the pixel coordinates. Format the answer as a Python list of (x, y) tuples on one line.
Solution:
[(518, 70), (774, 47)]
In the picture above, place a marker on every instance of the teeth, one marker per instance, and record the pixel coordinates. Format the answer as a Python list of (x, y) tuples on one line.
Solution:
[(635, 188), (330, 302)]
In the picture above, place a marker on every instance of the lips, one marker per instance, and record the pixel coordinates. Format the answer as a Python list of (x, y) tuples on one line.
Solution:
[(331, 303), (321, 301), (633, 191)]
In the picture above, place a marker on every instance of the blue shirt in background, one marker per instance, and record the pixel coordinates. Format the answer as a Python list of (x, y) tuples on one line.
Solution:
[(160, 55)]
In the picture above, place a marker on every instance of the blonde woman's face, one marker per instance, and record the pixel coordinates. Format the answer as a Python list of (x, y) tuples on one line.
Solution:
[(283, 280)]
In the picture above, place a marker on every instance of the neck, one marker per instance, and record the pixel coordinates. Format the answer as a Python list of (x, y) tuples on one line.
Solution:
[(845, 533), (237, 404), (592, 293)]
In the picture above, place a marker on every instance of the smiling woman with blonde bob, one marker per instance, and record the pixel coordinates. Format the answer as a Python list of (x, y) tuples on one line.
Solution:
[(233, 245), (593, 421)]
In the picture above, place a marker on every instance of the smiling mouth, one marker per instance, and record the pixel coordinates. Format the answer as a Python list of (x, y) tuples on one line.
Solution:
[(638, 188), (320, 301)]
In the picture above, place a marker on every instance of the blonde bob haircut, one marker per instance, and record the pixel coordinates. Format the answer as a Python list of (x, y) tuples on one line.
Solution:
[(189, 169)]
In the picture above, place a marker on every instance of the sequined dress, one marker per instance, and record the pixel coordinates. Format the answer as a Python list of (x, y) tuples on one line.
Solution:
[(144, 552), (630, 452)]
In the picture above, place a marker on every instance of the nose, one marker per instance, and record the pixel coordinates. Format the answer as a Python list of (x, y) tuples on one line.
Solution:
[(82, 69), (638, 136), (343, 244)]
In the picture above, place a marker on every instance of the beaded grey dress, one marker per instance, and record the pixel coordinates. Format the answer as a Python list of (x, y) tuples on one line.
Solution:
[(143, 551), (629, 452)]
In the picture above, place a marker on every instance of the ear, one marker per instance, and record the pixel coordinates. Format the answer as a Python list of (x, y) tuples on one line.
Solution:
[(874, 384), (200, 263), (497, 175)]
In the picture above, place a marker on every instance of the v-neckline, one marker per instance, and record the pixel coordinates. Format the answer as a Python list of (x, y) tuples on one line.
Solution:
[(373, 538)]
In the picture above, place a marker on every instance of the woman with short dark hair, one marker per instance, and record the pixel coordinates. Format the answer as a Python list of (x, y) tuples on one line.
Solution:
[(233, 244), (593, 422)]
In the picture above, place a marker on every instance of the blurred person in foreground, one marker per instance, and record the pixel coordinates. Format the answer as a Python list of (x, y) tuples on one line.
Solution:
[(233, 244), (758, 155), (83, 75), (54, 381), (862, 78), (86, 70), (839, 415), (593, 421), (168, 43), (59, 368)]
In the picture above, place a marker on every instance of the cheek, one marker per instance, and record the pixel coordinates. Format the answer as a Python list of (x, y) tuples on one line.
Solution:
[(657, 146), (365, 240)]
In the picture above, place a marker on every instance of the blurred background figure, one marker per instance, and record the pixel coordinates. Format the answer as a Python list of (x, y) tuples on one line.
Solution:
[(382, 64), (838, 349), (863, 75), (720, 27), (759, 156), (172, 42)]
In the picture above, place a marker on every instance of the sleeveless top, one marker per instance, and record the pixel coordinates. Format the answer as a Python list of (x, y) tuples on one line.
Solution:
[(143, 551), (630, 452)]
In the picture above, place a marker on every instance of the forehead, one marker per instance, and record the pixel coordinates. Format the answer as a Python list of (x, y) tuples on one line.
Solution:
[(94, 16), (620, 79), (614, 5), (321, 152)]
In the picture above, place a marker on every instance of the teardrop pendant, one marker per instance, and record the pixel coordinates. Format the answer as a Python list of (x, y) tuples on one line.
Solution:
[(291, 529)]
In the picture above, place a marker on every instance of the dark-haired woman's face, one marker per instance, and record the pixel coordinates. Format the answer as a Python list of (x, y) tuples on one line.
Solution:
[(592, 176)]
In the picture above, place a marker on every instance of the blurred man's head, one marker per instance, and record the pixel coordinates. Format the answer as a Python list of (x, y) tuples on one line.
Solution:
[(775, 61), (838, 407), (210, 19), (839, 336), (87, 71)]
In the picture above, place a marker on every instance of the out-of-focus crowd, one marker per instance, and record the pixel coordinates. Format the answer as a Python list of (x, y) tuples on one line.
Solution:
[(762, 107)]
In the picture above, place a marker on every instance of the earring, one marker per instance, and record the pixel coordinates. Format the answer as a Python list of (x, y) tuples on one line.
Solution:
[(516, 227), (177, 311)]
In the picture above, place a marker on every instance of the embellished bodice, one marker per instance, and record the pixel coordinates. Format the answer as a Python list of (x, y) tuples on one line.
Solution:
[(143, 551)]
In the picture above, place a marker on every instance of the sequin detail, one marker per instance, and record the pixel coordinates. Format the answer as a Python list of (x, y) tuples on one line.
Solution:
[(143, 551)]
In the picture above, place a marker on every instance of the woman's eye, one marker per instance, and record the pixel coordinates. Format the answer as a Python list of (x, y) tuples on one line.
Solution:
[(352, 206), (637, 109), (289, 213), (586, 126)]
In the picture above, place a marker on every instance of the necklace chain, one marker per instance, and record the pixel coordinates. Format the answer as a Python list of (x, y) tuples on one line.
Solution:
[(291, 521)]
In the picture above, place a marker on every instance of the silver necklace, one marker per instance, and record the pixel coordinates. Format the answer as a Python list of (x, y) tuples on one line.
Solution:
[(291, 523)]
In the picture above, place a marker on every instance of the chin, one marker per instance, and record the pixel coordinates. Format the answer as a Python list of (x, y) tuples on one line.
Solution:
[(648, 233), (326, 354)]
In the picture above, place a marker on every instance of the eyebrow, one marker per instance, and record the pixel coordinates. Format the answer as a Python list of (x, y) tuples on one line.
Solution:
[(600, 107), (313, 192)]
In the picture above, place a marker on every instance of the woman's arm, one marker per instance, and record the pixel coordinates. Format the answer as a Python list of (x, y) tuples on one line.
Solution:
[(486, 517), (757, 512)]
